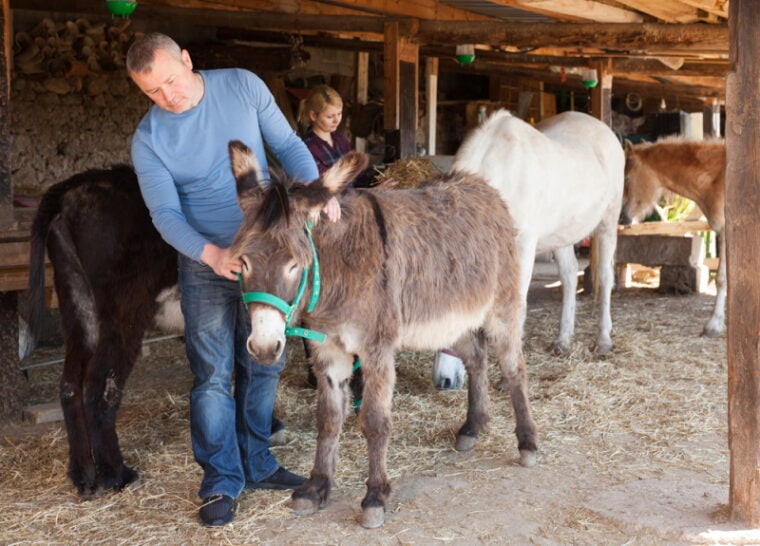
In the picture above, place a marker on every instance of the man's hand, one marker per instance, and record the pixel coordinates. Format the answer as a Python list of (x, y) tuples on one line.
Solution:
[(220, 261), (332, 210)]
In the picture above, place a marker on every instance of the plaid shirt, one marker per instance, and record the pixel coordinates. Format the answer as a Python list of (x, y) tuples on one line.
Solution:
[(324, 154)]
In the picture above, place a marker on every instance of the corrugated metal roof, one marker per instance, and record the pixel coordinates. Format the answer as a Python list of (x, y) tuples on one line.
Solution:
[(491, 9)]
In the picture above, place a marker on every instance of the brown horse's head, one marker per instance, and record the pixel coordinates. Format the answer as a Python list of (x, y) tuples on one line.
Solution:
[(272, 242), (642, 185)]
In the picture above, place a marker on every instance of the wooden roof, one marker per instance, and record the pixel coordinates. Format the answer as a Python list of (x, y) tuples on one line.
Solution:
[(649, 46)]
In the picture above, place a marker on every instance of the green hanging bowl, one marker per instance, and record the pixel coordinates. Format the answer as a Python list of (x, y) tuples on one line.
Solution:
[(124, 8)]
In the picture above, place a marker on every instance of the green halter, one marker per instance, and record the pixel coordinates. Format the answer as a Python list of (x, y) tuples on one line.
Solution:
[(289, 309)]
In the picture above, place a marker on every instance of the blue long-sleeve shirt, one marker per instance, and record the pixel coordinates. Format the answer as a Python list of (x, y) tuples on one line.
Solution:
[(182, 160)]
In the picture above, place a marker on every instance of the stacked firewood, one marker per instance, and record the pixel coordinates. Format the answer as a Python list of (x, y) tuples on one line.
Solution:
[(67, 52)]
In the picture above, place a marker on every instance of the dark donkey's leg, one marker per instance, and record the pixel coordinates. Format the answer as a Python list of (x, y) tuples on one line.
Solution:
[(333, 371), (76, 304), (472, 349), (107, 374), (375, 420)]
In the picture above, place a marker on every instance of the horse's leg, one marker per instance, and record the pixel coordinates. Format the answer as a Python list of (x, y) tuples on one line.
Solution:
[(333, 370), (472, 349), (504, 333), (375, 421), (603, 258), (567, 264), (716, 324), (526, 252)]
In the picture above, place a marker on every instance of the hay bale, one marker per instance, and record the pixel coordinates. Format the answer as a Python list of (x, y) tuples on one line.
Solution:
[(408, 173)]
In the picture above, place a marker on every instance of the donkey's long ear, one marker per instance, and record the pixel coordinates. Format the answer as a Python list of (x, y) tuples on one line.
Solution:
[(245, 167), (344, 171), (627, 146)]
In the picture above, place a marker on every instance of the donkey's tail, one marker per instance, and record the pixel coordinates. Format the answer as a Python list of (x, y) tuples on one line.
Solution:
[(49, 207)]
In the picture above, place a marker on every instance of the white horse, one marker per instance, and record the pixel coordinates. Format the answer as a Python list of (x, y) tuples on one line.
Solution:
[(562, 180)]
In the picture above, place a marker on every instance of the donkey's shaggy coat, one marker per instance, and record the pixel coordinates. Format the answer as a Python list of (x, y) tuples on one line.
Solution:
[(422, 268)]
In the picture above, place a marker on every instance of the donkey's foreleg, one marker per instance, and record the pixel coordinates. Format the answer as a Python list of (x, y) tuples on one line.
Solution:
[(567, 264), (333, 370), (716, 324), (472, 349), (375, 421)]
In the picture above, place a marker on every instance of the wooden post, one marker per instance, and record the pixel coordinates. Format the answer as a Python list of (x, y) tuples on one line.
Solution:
[(431, 94), (7, 219), (601, 95), (711, 118), (401, 60), (362, 93), (743, 260)]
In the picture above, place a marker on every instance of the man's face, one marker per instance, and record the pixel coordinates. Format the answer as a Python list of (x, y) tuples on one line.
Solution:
[(171, 82)]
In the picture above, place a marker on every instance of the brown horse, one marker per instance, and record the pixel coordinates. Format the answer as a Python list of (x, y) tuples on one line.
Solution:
[(693, 169), (422, 268)]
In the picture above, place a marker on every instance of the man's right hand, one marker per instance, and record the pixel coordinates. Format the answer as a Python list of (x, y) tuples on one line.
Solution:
[(220, 261)]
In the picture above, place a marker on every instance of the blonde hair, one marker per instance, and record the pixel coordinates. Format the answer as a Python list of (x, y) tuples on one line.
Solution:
[(317, 101)]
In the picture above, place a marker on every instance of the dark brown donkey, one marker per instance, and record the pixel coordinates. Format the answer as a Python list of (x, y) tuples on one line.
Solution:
[(421, 268)]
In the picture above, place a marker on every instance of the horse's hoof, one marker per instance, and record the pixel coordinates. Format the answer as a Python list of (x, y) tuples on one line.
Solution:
[(373, 517), (559, 347), (303, 507), (527, 458), (603, 349), (465, 442), (711, 332)]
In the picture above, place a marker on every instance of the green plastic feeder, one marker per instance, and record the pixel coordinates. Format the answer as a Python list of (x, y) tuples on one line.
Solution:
[(588, 84), (465, 59), (123, 8)]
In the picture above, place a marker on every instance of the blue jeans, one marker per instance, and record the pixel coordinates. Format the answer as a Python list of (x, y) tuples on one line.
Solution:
[(229, 427)]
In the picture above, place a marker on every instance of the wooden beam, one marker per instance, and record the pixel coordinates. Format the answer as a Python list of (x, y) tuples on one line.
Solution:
[(581, 10), (601, 95), (431, 96), (623, 37), (401, 95), (7, 219), (671, 12), (421, 9), (743, 261)]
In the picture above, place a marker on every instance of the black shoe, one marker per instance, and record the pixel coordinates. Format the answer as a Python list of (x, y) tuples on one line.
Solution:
[(217, 510), (281, 479)]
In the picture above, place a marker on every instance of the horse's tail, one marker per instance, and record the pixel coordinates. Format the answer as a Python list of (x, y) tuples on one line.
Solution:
[(49, 207)]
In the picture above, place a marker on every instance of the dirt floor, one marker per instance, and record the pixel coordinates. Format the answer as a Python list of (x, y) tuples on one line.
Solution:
[(632, 450)]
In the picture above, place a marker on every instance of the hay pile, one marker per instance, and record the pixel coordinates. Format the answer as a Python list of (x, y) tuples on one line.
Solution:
[(407, 173), (648, 406)]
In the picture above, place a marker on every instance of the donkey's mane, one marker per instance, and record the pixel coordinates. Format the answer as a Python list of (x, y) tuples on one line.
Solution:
[(276, 204)]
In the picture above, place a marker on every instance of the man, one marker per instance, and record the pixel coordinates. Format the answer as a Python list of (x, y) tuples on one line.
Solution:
[(179, 151)]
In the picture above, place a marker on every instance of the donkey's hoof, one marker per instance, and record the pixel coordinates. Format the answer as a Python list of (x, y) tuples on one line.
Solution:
[(465, 442), (278, 438), (527, 458), (303, 507), (373, 517)]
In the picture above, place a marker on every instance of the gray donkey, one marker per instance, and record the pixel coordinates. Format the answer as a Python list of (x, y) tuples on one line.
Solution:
[(415, 269)]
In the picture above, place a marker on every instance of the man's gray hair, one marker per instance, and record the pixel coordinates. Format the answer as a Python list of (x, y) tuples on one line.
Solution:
[(143, 50)]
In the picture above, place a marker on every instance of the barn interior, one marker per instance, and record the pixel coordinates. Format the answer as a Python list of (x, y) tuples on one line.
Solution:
[(415, 77)]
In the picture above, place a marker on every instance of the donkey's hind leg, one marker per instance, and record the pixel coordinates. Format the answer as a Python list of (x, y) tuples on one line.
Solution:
[(504, 334), (333, 371), (472, 349), (567, 264)]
